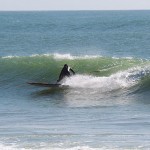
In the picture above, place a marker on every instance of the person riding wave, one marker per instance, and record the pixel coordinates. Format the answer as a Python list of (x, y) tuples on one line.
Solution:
[(65, 72)]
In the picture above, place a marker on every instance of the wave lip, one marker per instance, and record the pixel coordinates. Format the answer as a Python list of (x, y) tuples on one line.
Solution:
[(71, 57)]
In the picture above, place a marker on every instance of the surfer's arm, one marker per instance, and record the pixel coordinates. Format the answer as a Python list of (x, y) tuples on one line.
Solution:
[(72, 71)]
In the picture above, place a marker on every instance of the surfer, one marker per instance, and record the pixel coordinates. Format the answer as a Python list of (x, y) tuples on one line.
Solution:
[(65, 72)]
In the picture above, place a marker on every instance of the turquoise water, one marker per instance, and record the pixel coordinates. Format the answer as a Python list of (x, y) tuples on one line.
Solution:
[(107, 103)]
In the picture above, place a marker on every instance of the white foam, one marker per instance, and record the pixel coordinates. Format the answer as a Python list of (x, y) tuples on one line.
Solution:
[(10, 147), (116, 81), (13, 147)]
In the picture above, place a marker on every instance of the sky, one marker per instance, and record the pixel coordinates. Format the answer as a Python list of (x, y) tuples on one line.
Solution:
[(74, 4)]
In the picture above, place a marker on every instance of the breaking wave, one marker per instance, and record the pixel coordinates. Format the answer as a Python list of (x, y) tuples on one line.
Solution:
[(91, 71)]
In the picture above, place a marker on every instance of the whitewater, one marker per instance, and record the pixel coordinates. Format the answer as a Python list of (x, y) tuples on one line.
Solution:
[(105, 105)]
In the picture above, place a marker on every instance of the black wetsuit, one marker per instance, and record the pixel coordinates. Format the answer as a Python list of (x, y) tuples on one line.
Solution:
[(65, 72)]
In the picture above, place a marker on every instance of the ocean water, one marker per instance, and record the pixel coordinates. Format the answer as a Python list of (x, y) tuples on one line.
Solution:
[(107, 103)]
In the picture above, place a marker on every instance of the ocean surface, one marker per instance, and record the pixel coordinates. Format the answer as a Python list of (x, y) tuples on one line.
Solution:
[(107, 103)]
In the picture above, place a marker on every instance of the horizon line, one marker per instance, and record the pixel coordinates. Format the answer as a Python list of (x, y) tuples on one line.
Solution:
[(78, 10)]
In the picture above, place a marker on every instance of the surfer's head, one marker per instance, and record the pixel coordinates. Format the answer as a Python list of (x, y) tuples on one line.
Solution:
[(66, 66)]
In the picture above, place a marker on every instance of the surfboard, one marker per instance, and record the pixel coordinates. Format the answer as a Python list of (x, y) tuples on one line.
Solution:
[(46, 84)]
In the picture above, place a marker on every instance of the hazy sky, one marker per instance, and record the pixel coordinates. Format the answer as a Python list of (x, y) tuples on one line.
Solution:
[(74, 4)]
